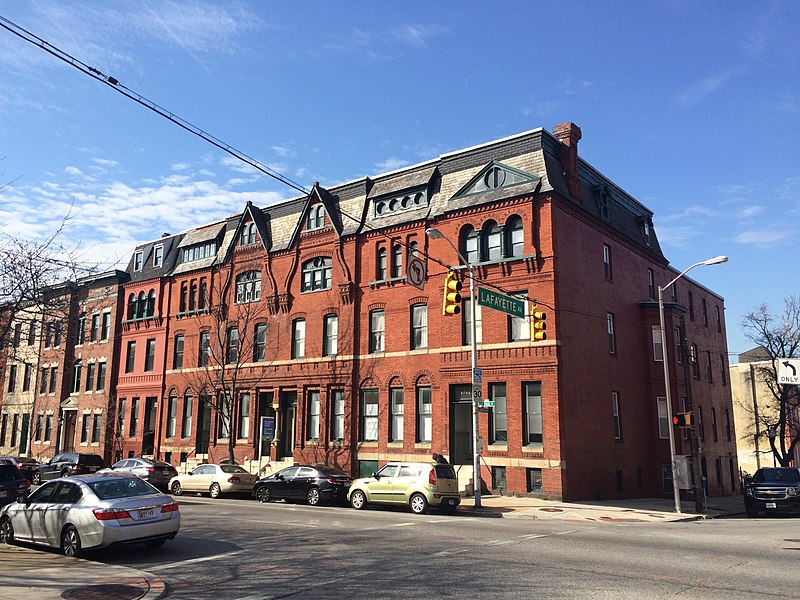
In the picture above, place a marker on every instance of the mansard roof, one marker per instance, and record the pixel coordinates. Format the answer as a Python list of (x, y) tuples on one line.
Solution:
[(149, 270), (518, 166)]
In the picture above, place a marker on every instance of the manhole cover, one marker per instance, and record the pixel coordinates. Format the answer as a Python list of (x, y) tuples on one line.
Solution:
[(551, 509), (103, 592)]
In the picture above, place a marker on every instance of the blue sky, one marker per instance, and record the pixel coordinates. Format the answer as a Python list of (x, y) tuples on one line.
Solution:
[(693, 108)]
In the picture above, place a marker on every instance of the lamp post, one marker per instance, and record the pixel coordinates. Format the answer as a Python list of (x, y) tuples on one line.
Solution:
[(772, 433), (711, 261), (435, 234)]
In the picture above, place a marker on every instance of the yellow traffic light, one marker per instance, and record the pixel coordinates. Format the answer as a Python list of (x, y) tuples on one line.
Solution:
[(538, 324), (452, 298)]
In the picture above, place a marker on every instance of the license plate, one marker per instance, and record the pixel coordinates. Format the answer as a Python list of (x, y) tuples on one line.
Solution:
[(147, 514), (770, 505)]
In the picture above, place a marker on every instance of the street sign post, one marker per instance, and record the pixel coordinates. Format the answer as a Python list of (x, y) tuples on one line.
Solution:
[(512, 306)]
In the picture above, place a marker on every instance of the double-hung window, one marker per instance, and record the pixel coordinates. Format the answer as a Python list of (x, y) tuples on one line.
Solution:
[(172, 409), (424, 414), (186, 421), (330, 342), (298, 338), (467, 324), (419, 326), (244, 416), (337, 422), (499, 416), (248, 287), (376, 330), (663, 418), (369, 415), (612, 336), (232, 346), (204, 349), (312, 416), (150, 355), (616, 415), (397, 414), (260, 342), (177, 356), (658, 346), (533, 431)]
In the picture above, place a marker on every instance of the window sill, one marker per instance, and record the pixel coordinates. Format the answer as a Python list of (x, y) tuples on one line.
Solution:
[(534, 448), (424, 445)]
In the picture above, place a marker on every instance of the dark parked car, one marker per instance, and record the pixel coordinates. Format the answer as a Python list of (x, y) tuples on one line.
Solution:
[(310, 484), (26, 465), (772, 490), (154, 472), (68, 463), (12, 484)]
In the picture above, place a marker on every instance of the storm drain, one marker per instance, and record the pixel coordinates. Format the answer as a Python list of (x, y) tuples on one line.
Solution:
[(103, 592)]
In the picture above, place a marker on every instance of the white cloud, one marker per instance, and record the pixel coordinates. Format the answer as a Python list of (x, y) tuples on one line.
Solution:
[(391, 164), (419, 35), (74, 171), (764, 237), (750, 211), (699, 91)]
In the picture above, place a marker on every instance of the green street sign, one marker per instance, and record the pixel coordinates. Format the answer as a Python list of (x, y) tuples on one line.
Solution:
[(512, 306)]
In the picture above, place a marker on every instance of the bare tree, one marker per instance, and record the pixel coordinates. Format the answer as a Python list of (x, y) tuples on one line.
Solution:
[(233, 358), (779, 336)]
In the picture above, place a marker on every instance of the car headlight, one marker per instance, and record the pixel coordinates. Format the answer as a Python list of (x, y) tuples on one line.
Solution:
[(750, 492)]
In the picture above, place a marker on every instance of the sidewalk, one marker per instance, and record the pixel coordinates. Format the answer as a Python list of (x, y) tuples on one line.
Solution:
[(641, 509), (46, 575)]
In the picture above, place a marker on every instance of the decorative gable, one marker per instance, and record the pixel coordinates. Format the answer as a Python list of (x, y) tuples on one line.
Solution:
[(495, 176)]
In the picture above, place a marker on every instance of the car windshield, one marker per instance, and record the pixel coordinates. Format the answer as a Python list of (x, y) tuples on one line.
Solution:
[(128, 487), (783, 475), (232, 469), (445, 472), (9, 472)]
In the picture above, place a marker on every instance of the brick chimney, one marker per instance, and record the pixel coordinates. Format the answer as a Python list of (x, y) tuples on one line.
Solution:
[(569, 134)]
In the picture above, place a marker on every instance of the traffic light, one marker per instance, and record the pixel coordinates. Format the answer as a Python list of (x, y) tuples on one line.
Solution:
[(538, 324), (452, 299), (683, 419)]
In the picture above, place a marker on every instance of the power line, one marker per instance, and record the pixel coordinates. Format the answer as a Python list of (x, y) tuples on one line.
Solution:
[(114, 84)]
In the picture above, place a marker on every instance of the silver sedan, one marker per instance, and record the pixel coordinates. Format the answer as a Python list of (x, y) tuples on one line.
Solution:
[(92, 511)]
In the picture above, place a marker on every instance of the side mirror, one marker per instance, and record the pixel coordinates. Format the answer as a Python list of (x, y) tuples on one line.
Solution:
[(376, 475)]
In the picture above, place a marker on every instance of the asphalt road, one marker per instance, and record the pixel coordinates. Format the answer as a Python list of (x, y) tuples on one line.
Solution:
[(232, 548)]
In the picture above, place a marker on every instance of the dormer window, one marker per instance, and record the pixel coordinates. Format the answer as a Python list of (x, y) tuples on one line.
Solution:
[(646, 230), (158, 255), (316, 217), (138, 260), (248, 235), (604, 205)]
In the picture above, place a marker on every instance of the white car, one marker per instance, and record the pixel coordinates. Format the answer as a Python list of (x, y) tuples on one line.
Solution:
[(92, 511), (214, 480)]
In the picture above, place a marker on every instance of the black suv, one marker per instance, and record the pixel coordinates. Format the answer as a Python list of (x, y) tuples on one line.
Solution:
[(772, 490), (66, 464)]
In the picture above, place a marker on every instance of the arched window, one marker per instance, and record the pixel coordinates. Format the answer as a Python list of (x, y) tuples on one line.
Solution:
[(413, 249), (397, 260), (380, 264), (515, 237), (248, 287), (248, 235), (184, 297), (193, 296), (470, 245), (316, 274), (150, 309), (203, 294), (316, 217), (494, 241), (131, 307), (141, 305)]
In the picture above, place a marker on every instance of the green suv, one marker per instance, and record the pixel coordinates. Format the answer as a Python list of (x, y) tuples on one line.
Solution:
[(419, 485)]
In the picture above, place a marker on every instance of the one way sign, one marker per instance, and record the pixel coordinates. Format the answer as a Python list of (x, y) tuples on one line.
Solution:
[(789, 371)]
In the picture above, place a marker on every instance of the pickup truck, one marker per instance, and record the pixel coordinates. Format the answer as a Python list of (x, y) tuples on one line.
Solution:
[(772, 490)]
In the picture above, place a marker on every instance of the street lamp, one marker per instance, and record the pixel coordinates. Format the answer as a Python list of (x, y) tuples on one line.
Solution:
[(711, 261), (435, 234), (772, 433)]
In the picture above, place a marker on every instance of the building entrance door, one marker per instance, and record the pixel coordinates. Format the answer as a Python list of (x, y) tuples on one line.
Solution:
[(461, 424), (288, 408), (203, 425), (70, 418)]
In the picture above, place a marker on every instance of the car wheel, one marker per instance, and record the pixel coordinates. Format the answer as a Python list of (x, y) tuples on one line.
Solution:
[(358, 500), (70, 542), (262, 494), (37, 478), (176, 488), (64, 473), (6, 531), (418, 504), (313, 496), (154, 544), (214, 490)]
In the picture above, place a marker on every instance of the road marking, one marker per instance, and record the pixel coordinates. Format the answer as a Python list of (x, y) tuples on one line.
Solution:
[(534, 536), (566, 532), (401, 524), (192, 561), (450, 552)]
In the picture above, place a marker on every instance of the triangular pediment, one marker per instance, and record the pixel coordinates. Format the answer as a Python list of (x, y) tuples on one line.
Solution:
[(495, 176)]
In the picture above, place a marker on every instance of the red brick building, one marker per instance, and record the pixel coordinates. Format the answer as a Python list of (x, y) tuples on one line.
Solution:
[(303, 311)]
